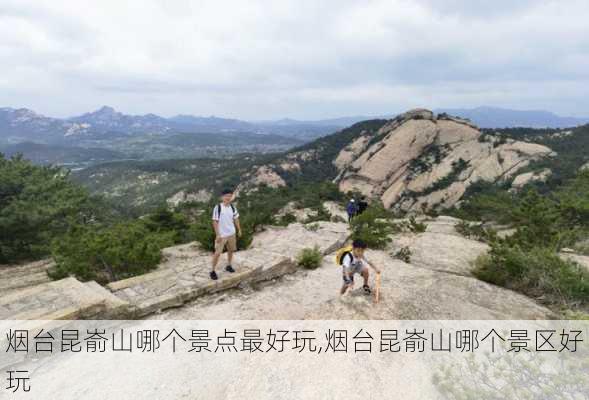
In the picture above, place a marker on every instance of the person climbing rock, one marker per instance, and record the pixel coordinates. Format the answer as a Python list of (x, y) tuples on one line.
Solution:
[(353, 261), (225, 222), (351, 209)]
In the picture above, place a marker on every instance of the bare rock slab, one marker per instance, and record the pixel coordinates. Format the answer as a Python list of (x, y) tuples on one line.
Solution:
[(441, 248), (22, 276), (64, 299), (184, 275)]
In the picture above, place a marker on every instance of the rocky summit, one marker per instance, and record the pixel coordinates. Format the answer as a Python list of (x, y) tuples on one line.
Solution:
[(421, 161), (417, 161)]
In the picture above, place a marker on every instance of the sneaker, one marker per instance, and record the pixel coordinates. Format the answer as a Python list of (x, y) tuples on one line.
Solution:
[(229, 268), (367, 289), (213, 275)]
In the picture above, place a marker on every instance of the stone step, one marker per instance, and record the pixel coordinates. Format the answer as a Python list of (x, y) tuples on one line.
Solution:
[(64, 299), (22, 276), (152, 294), (115, 308), (184, 274), (172, 287)]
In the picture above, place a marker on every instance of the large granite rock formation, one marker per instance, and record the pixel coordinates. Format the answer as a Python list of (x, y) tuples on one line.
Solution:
[(419, 161)]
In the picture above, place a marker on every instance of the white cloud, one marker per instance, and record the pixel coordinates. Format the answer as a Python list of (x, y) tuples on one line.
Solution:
[(307, 59)]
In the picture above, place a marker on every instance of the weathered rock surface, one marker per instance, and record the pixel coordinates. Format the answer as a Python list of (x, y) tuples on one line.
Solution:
[(184, 197), (302, 214), (534, 176), (424, 162), (18, 277), (264, 175), (184, 275), (436, 284), (440, 247), (64, 299), (407, 292)]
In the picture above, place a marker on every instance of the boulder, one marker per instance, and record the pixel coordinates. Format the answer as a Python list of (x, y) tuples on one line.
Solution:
[(534, 176)]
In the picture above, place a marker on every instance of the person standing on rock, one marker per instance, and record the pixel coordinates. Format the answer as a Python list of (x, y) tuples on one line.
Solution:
[(351, 209), (353, 262), (225, 222)]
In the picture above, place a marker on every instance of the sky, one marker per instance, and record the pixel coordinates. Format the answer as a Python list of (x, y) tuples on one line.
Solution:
[(300, 59)]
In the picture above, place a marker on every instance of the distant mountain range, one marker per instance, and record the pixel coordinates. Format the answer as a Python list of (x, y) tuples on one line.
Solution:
[(493, 117), (20, 125)]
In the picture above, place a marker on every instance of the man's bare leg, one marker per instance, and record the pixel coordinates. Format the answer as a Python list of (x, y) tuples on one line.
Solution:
[(229, 257), (216, 257)]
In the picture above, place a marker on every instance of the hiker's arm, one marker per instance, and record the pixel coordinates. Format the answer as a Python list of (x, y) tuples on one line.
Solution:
[(238, 226), (350, 281), (373, 267), (216, 227)]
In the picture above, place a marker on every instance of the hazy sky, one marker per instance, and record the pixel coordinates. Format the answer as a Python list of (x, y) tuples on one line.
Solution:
[(293, 58)]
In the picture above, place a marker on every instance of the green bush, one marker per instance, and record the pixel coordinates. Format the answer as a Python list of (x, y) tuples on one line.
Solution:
[(538, 272), (36, 205), (404, 254), (286, 219), (320, 214), (373, 226), (310, 258), (108, 254), (163, 220), (475, 231), (312, 227)]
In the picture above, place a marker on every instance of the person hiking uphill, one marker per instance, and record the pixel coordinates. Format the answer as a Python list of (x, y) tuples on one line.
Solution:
[(353, 261), (351, 209), (225, 220)]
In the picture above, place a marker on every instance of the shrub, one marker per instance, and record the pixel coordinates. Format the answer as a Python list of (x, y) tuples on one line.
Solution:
[(108, 254), (404, 254), (36, 205), (163, 220), (338, 218), (202, 231), (320, 214), (538, 272), (582, 248), (373, 226), (310, 258), (314, 227), (475, 231), (416, 227), (286, 219)]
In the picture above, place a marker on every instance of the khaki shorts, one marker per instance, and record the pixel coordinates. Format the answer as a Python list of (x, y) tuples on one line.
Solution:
[(230, 242)]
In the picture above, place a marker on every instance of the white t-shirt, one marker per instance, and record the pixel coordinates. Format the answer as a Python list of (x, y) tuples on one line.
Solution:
[(225, 219), (353, 265)]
